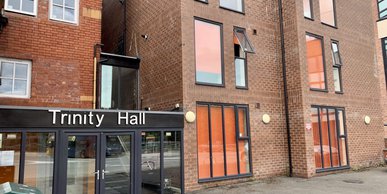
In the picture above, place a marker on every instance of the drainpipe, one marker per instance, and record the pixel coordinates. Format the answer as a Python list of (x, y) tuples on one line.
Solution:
[(281, 18), (96, 46)]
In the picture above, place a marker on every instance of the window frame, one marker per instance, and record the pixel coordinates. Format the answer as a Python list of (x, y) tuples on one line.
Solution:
[(202, 1), (338, 65), (237, 139), (334, 16), (221, 51), (384, 50), (34, 13), (246, 87), (234, 10), (76, 12), (384, 10), (28, 79), (321, 38), (311, 11), (339, 137)]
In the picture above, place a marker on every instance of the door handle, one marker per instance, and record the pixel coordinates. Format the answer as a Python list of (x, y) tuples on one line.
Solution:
[(97, 173), (103, 173)]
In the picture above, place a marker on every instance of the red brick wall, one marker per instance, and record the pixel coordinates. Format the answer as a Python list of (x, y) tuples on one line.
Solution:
[(268, 142), (61, 55), (161, 65)]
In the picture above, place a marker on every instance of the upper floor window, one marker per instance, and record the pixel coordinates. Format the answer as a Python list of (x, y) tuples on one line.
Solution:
[(384, 48), (327, 12), (15, 78), (64, 10), (336, 66), (208, 52), (308, 11), (315, 62), (382, 7), (28, 7), (241, 46), (236, 5)]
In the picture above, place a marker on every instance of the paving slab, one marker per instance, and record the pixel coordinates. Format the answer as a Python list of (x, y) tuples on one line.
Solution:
[(370, 181)]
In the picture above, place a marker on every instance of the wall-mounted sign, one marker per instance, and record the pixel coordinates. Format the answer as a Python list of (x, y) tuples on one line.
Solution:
[(6, 158)]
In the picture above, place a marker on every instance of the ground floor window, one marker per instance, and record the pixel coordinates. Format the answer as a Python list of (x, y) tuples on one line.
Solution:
[(28, 158), (330, 138), (223, 141)]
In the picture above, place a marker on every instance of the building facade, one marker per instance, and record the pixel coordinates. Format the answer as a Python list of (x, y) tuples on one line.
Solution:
[(269, 88), (222, 60)]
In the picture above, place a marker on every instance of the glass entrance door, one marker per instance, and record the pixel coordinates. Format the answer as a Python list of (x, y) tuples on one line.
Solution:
[(99, 163)]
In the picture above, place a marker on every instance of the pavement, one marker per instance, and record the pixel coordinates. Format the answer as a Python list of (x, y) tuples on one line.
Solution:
[(370, 181)]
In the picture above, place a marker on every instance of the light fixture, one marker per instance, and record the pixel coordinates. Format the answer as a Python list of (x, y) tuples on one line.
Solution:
[(266, 118), (190, 117), (367, 120)]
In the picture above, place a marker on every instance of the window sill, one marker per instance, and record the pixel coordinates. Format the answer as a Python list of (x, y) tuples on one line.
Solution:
[(336, 92), (318, 90), (233, 10), (325, 24), (14, 96), (21, 12), (64, 21), (225, 178), (308, 18), (210, 84), (381, 19), (205, 2), (332, 169), (242, 88)]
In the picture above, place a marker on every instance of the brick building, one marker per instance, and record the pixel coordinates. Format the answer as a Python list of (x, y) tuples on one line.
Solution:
[(256, 80), (332, 84)]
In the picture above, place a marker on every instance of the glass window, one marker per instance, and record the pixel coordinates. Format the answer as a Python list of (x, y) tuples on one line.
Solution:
[(329, 135), (315, 62), (336, 66), (382, 8), (15, 78), (39, 161), (22, 6), (64, 10), (151, 162), (172, 161), (223, 141), (327, 12), (384, 48), (208, 53), (236, 5), (241, 46), (308, 8), (118, 87), (10, 146)]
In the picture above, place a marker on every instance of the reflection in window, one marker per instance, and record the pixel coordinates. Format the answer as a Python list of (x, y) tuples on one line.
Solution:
[(118, 87), (208, 53), (14, 78), (327, 12), (172, 161), (329, 137), (315, 62), (308, 8), (236, 5), (64, 10), (382, 7), (336, 66), (150, 162), (22, 6), (10, 145), (39, 161), (222, 142)]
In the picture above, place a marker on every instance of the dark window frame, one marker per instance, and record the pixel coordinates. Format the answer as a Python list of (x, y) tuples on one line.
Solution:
[(379, 12), (338, 65), (384, 50), (339, 137), (311, 11), (334, 15), (237, 138), (221, 50), (202, 1), (233, 10), (321, 38), (241, 58)]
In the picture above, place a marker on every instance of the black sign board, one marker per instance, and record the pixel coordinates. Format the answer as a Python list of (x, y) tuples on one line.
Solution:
[(16, 117)]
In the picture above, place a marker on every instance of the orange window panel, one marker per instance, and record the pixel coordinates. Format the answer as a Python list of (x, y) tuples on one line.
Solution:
[(203, 136), (325, 138), (242, 120), (231, 149), (334, 140), (316, 138), (315, 62), (217, 142)]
